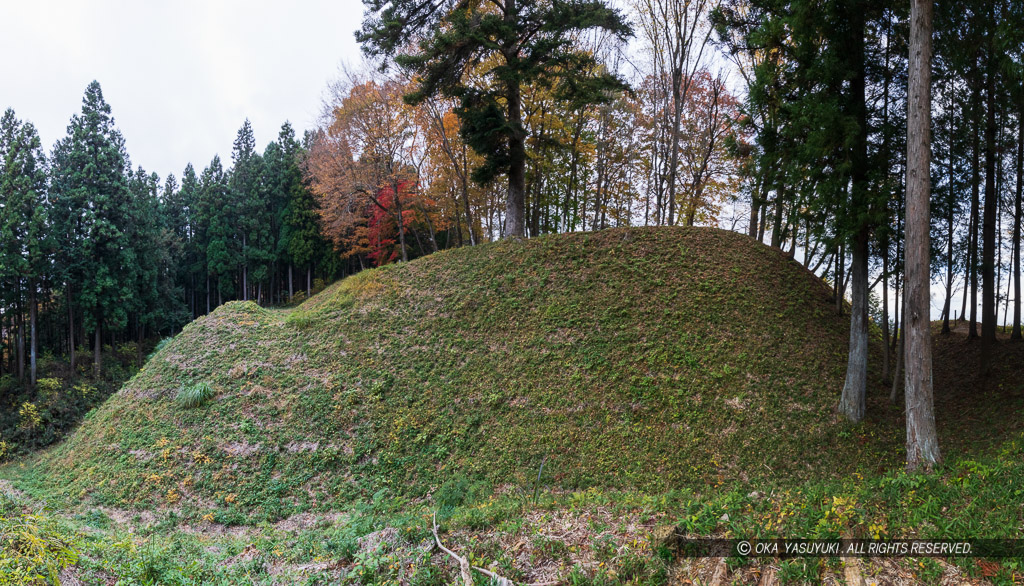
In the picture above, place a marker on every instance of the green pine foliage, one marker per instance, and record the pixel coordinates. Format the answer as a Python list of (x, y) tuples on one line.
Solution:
[(531, 43)]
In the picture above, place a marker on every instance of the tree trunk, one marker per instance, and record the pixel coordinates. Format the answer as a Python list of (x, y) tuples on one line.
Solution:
[(885, 311), (839, 287), (755, 206), (677, 110), (897, 377), (975, 221), (922, 440), (777, 224), (852, 404), (21, 343), (949, 241), (309, 281), (515, 211), (988, 252), (1016, 333), (465, 197), (97, 356), (71, 331), (291, 290), (33, 332)]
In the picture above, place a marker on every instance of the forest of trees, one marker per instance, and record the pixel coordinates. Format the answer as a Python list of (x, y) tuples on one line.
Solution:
[(785, 119), (96, 252)]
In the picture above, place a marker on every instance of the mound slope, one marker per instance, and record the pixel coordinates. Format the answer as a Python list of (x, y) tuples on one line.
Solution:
[(635, 358)]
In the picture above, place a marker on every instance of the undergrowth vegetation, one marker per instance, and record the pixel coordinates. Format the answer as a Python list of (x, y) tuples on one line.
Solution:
[(589, 537), (36, 417), (196, 395)]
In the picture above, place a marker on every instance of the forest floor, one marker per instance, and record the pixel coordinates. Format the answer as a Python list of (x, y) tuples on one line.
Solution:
[(564, 406)]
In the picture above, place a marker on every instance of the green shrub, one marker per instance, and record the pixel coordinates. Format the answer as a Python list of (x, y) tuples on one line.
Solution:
[(48, 387), (195, 396), (34, 549)]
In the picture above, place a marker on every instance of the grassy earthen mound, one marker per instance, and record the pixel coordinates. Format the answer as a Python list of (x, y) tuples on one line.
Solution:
[(636, 358)]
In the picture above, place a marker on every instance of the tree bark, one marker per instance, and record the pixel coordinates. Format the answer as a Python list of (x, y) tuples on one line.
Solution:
[(946, 309), (899, 342), (755, 205), (33, 332), (515, 209), (853, 401), (922, 440), (71, 331), (885, 311), (988, 252), (97, 357), (21, 342), (1016, 333), (975, 221)]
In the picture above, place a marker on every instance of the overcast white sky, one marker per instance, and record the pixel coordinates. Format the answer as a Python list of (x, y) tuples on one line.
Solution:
[(182, 76)]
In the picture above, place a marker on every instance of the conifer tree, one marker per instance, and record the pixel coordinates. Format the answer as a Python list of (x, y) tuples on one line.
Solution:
[(195, 239), (91, 206), (300, 231), (217, 227), (530, 43), (24, 231)]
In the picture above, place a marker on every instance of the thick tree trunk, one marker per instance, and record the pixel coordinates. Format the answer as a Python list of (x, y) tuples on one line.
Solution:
[(291, 290), (1016, 333), (309, 281), (852, 403), (922, 440)]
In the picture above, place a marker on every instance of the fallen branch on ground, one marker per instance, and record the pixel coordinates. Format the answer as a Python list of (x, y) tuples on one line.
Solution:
[(464, 567)]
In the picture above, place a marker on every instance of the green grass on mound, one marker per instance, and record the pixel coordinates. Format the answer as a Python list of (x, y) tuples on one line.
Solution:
[(650, 359)]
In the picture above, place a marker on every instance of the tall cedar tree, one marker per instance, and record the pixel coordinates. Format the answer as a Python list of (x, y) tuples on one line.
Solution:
[(24, 233), (215, 217), (91, 206), (529, 42), (819, 153), (922, 441), (247, 199), (300, 232)]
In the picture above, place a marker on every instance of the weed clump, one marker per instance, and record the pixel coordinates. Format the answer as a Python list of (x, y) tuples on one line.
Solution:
[(195, 395)]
